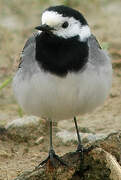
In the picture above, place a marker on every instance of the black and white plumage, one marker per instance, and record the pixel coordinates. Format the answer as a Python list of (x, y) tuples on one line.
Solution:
[(63, 71)]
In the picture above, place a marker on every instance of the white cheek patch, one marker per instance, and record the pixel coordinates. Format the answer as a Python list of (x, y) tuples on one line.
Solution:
[(84, 32), (75, 29)]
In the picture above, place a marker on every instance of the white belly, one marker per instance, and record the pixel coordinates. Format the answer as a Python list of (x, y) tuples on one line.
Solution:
[(58, 98)]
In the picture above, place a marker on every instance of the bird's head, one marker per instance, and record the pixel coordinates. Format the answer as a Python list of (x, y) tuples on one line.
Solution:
[(64, 22)]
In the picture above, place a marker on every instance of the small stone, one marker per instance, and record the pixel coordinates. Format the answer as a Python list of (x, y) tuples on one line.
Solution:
[(25, 129), (39, 140), (67, 136), (4, 154), (25, 121)]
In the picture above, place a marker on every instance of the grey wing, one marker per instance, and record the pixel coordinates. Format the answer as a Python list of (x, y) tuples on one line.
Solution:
[(97, 56), (94, 42), (30, 43)]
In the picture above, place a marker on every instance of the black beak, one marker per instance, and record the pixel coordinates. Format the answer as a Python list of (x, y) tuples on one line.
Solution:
[(44, 27)]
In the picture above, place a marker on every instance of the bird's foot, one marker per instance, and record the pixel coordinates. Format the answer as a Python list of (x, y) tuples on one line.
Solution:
[(81, 150), (50, 160)]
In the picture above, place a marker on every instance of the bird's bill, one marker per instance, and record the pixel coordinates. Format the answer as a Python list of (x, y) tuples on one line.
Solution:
[(44, 27)]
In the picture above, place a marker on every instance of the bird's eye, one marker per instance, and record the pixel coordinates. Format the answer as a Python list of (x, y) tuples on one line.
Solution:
[(65, 24)]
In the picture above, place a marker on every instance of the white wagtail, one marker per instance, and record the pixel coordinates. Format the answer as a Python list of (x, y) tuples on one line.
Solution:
[(63, 71)]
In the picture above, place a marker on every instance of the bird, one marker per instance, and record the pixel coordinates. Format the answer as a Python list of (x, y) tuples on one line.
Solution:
[(63, 71)]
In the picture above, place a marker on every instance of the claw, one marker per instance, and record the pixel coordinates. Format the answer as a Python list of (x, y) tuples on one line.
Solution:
[(81, 150), (51, 158)]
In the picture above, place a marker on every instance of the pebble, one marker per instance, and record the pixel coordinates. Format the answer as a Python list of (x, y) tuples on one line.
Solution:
[(67, 136), (25, 121), (4, 154), (39, 140), (26, 129)]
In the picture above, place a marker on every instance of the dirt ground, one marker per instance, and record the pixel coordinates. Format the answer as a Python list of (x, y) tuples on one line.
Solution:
[(17, 23)]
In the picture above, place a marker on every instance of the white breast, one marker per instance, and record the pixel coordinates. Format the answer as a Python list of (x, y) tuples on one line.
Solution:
[(50, 96)]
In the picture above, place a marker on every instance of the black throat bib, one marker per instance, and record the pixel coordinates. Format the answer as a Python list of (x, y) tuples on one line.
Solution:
[(60, 56)]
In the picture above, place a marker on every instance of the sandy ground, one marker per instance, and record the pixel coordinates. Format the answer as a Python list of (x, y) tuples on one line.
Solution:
[(15, 27)]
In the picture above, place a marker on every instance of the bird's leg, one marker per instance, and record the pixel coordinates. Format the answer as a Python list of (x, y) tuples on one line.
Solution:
[(52, 154), (80, 146)]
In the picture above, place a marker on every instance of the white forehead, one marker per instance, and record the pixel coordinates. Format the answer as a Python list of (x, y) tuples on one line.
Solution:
[(52, 18)]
